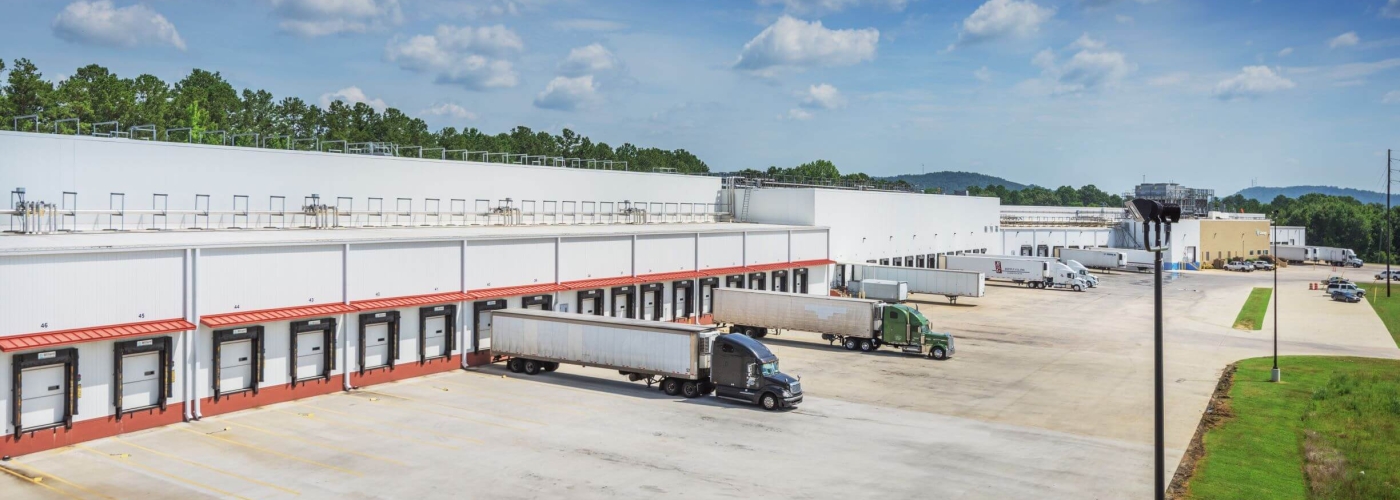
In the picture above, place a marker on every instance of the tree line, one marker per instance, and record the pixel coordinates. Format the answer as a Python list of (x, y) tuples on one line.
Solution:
[(1065, 196), (204, 102)]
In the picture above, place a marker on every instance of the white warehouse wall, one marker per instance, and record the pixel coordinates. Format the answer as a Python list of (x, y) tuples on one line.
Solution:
[(1015, 238), (868, 225), (46, 165)]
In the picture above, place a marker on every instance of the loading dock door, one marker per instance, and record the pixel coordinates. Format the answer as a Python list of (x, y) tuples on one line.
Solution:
[(591, 302), (681, 303), (757, 281), (540, 302), (481, 323), (651, 301), (143, 371), (436, 329), (238, 360), (313, 349), (799, 280), (623, 305), (379, 340), (707, 290), (43, 404), (734, 281), (780, 281)]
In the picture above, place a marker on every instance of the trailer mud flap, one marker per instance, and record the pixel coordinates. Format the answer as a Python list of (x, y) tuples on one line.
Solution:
[(162, 348), (326, 326), (65, 393)]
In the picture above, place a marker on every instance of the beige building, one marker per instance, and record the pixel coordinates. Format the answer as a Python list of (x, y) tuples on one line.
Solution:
[(1226, 239)]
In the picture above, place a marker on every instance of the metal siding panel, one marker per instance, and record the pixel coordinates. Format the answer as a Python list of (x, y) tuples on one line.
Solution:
[(665, 253), (808, 245), (766, 248), (498, 263), (721, 250), (589, 258), (250, 279), (41, 291), (403, 269)]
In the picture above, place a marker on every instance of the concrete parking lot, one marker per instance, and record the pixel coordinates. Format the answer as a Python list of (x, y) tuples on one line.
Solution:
[(1048, 396)]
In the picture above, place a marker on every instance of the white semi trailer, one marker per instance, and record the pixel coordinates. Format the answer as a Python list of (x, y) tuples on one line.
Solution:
[(689, 360), (854, 323), (1035, 272), (1337, 256), (948, 283), (1294, 253), (1072, 265), (1096, 258)]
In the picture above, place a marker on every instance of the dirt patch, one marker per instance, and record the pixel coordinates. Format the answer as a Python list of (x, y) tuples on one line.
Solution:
[(1217, 413), (1323, 465)]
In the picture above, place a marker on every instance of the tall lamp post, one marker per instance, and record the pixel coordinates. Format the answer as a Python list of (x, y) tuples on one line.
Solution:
[(1153, 215), (1275, 376)]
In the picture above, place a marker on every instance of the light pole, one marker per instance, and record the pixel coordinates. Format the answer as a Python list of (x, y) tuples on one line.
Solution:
[(1276, 375), (1152, 214)]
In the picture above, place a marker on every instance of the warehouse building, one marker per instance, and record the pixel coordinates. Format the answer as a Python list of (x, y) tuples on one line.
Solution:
[(118, 318)]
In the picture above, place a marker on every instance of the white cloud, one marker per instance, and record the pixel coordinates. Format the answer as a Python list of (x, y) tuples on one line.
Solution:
[(1253, 81), (1391, 9), (1003, 18), (1169, 79), (821, 6), (567, 94), (793, 43), (99, 23), (588, 25), (1392, 97), (352, 95), (1344, 40), (589, 59), (1285, 52), (1091, 68), (471, 57), (449, 109), (797, 114), (983, 74), (822, 96), (312, 18)]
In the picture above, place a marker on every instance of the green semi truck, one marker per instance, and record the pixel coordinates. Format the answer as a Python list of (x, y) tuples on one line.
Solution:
[(856, 324)]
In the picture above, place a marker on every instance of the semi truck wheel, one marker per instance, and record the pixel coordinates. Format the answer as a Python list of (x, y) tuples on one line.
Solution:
[(671, 386), (849, 344), (691, 389), (532, 367), (938, 353), (866, 345), (515, 365), (1078, 288), (769, 401)]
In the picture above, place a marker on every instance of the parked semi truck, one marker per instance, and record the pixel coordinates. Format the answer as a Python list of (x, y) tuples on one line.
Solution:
[(948, 283), (688, 360), (1073, 265), (856, 324), (1035, 272), (1330, 255), (1096, 258)]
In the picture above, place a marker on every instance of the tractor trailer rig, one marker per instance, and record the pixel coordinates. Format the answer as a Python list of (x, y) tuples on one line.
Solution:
[(1035, 272), (1096, 258), (688, 360), (856, 324)]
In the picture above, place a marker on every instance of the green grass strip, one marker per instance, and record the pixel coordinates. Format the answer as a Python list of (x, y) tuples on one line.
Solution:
[(1331, 429), (1387, 308), (1251, 316)]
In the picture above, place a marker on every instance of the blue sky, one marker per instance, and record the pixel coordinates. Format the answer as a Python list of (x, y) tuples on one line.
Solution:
[(1207, 93)]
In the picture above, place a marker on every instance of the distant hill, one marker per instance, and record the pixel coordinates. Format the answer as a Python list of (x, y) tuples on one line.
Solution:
[(1267, 194), (954, 181)]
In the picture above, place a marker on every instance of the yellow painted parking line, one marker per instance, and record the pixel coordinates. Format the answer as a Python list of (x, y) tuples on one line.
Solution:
[(203, 466), (273, 452), (459, 417), (314, 443), (59, 479), (398, 426), (158, 472), (39, 480), (434, 403), (367, 429)]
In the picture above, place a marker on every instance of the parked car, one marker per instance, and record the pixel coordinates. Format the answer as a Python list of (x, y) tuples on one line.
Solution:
[(1334, 280), (1239, 266), (1263, 265), (1392, 275), (1345, 296), (1346, 286)]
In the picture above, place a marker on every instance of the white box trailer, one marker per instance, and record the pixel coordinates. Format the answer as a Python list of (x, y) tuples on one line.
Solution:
[(1035, 272), (692, 360), (881, 290), (1294, 253), (1336, 256), (946, 282), (1096, 258), (843, 316)]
